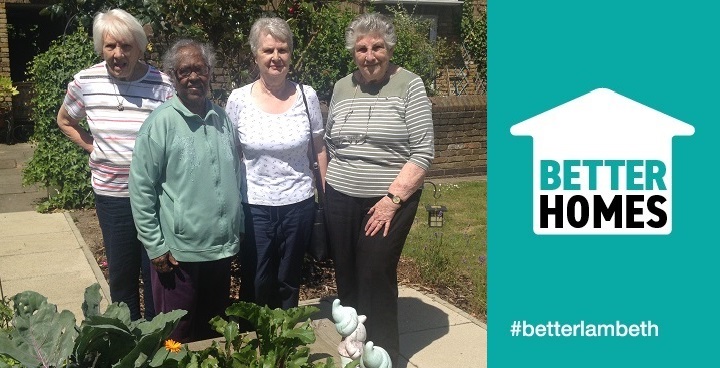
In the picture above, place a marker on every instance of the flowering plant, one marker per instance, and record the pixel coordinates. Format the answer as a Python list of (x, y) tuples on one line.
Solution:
[(42, 336)]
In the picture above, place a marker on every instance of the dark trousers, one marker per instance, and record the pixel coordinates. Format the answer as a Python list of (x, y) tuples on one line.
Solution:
[(273, 251), (200, 288), (366, 267), (126, 257)]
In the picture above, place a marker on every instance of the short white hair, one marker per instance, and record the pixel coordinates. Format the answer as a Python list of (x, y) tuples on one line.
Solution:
[(120, 24), (276, 27)]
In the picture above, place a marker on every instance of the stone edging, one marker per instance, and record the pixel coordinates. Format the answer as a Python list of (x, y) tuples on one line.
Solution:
[(99, 276)]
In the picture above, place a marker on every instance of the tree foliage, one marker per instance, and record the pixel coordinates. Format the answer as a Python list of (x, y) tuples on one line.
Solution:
[(414, 50), (320, 57), (474, 34), (319, 60)]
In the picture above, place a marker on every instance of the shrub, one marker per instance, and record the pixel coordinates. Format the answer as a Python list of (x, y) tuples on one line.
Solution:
[(474, 33), (414, 50), (58, 164), (320, 58)]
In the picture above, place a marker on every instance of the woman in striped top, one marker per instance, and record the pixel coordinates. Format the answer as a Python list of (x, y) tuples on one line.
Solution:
[(115, 96), (379, 135)]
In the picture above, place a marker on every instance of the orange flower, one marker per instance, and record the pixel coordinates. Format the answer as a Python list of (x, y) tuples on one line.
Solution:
[(172, 346)]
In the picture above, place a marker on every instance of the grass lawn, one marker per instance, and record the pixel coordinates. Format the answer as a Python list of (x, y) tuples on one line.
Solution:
[(454, 256)]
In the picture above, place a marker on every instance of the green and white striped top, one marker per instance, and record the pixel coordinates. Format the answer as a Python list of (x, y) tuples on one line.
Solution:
[(373, 131)]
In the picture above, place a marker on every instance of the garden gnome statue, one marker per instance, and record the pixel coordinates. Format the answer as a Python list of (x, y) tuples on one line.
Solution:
[(350, 326), (375, 357)]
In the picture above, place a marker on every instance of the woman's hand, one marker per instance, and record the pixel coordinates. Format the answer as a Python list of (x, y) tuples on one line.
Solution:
[(164, 263), (381, 215)]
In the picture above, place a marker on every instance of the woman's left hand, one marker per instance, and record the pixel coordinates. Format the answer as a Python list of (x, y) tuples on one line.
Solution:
[(381, 215)]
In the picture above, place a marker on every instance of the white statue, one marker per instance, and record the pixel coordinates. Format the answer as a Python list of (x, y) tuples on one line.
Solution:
[(375, 357), (351, 327)]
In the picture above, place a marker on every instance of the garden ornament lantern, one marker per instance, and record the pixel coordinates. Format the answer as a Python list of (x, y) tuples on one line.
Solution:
[(435, 212)]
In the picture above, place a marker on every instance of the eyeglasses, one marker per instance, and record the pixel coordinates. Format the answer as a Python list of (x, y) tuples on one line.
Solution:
[(346, 140), (186, 72), (341, 141)]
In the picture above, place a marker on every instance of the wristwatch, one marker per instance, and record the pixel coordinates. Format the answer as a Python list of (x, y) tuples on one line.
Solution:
[(395, 199)]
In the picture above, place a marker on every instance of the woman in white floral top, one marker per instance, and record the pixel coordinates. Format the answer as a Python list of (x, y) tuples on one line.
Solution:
[(274, 132)]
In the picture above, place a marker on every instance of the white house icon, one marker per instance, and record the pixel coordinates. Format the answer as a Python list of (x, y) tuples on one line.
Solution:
[(602, 164)]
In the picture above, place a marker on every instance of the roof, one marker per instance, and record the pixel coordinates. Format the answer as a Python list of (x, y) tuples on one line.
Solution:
[(599, 111)]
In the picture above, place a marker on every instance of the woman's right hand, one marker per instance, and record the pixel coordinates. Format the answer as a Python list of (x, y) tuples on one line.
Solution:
[(164, 263)]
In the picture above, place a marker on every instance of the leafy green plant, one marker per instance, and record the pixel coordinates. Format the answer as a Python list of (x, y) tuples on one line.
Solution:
[(320, 58), (280, 339), (414, 50), (6, 88), (42, 336), (6, 312), (473, 28), (57, 163)]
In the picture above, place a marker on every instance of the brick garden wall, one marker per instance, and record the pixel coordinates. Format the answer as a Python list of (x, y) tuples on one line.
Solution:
[(460, 136)]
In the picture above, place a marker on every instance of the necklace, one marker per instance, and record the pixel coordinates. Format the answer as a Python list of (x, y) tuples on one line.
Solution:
[(341, 140), (119, 96)]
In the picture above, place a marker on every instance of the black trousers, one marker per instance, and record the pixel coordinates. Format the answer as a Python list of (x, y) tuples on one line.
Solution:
[(200, 288), (366, 266), (126, 256)]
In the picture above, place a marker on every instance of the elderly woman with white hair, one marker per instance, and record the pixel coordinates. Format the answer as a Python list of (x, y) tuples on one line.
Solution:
[(379, 135), (115, 96), (276, 121)]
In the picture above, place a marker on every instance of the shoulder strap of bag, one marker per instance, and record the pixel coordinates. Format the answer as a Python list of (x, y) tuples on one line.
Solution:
[(315, 166)]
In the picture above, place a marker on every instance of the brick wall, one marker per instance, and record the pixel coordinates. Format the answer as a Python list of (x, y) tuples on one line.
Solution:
[(4, 49), (460, 136)]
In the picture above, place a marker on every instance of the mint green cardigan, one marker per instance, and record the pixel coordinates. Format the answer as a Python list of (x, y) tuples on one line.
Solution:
[(185, 184)]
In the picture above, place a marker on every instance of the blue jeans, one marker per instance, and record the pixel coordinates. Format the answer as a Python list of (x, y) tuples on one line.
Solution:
[(126, 255), (272, 253)]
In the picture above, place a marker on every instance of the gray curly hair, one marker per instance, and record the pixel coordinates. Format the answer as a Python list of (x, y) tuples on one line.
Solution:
[(370, 23), (171, 59)]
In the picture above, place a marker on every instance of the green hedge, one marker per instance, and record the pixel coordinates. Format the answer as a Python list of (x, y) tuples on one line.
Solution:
[(58, 164)]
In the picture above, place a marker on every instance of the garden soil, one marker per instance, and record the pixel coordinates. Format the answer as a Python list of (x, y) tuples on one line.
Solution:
[(318, 277)]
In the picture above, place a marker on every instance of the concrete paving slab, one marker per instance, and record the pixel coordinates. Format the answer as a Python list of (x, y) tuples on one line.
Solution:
[(11, 185), (37, 243), (20, 152), (427, 324), (326, 341), (45, 253), (8, 164), (27, 266), (64, 290), (31, 222), (418, 312), (17, 188), (462, 345), (20, 202)]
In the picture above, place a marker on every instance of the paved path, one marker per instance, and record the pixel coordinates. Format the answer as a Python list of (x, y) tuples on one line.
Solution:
[(46, 253)]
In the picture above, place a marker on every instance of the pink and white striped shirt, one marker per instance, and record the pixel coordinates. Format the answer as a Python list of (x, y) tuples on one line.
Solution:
[(95, 95)]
